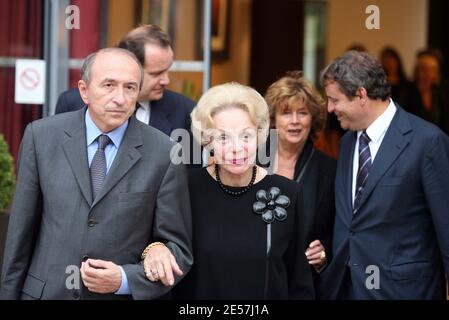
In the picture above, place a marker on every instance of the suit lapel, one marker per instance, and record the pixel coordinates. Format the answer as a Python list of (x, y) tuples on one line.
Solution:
[(127, 156), (348, 160), (311, 191), (75, 150), (394, 142), (159, 119)]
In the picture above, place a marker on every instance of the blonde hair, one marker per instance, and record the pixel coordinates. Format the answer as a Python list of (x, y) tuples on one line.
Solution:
[(294, 88), (222, 97)]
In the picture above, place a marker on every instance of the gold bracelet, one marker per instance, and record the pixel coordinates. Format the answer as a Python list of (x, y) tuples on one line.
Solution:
[(151, 245)]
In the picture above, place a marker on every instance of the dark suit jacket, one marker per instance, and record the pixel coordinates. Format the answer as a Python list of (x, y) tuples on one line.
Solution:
[(169, 113), (55, 223), (401, 228)]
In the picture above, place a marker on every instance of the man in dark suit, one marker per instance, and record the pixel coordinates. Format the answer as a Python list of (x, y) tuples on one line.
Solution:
[(391, 234), (94, 188), (161, 108)]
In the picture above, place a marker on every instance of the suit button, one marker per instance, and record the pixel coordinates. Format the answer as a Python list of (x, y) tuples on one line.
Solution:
[(92, 223), (350, 264), (76, 294), (85, 257), (352, 233)]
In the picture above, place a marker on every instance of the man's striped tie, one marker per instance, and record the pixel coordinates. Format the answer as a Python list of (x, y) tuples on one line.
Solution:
[(364, 167)]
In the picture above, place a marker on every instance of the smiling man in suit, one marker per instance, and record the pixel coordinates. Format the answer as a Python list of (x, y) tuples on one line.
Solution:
[(94, 188), (391, 234)]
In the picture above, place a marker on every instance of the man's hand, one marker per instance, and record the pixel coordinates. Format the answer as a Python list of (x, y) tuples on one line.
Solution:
[(159, 264), (101, 276)]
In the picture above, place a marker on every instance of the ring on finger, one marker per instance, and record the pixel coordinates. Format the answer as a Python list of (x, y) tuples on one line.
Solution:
[(323, 255)]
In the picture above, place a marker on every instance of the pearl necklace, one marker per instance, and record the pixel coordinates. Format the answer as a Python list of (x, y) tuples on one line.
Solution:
[(235, 193)]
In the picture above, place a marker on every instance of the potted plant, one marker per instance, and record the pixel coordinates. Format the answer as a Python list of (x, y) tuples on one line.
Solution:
[(7, 177), (7, 184)]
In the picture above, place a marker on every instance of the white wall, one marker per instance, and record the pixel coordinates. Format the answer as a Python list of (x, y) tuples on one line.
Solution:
[(403, 24)]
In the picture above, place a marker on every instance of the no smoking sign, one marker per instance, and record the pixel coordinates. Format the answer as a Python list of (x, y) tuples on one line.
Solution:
[(30, 81)]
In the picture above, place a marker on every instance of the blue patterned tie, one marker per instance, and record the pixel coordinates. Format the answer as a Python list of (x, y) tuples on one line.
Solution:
[(364, 167), (98, 165)]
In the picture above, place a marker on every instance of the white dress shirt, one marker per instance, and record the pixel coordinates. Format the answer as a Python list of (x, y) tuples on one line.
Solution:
[(116, 136), (144, 112), (376, 132)]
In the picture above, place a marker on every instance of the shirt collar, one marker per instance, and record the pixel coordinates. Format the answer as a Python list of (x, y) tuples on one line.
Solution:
[(378, 128), (92, 132), (144, 105)]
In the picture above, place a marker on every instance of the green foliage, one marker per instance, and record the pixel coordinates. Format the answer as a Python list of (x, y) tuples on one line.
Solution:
[(189, 90), (7, 177)]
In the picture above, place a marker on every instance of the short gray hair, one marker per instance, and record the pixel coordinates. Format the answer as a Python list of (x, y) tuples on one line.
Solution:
[(354, 70), (88, 62)]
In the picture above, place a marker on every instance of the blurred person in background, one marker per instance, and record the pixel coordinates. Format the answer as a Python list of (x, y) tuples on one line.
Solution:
[(428, 98), (392, 64)]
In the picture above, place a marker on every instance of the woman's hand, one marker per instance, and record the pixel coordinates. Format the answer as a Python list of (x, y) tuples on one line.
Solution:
[(160, 264), (315, 254)]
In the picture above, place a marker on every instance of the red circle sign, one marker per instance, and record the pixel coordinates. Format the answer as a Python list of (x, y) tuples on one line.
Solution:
[(29, 78)]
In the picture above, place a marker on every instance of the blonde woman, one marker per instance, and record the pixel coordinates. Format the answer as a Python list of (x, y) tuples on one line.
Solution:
[(247, 225)]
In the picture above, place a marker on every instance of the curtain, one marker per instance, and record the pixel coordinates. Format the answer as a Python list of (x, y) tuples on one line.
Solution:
[(21, 36), (21, 25)]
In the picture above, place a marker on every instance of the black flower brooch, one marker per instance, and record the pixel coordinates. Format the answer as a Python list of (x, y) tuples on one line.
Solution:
[(271, 205)]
